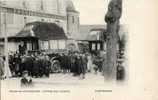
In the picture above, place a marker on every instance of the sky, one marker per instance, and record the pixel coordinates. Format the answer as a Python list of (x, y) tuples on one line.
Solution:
[(91, 11)]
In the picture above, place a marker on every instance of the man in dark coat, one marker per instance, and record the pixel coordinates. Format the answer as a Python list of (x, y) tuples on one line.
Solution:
[(76, 64), (26, 80), (84, 65), (36, 67), (120, 72), (62, 62), (11, 64), (22, 48), (16, 61), (46, 66), (22, 67), (67, 62), (72, 63), (29, 64), (79, 65), (41, 65)]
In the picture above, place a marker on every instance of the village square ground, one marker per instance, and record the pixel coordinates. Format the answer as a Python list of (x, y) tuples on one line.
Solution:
[(59, 79)]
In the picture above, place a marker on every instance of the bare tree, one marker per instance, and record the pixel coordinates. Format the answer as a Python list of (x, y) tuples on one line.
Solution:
[(112, 19)]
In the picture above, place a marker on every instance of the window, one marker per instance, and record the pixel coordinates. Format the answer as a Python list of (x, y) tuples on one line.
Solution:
[(98, 46), (12, 46), (62, 44), (45, 45), (25, 20), (104, 46), (78, 23), (53, 44), (9, 18), (29, 46), (93, 46), (73, 19)]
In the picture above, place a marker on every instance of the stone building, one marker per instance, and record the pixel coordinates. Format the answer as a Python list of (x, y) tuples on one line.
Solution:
[(15, 14), (72, 20)]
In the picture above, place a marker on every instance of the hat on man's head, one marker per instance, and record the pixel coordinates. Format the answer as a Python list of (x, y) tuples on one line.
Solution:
[(25, 72)]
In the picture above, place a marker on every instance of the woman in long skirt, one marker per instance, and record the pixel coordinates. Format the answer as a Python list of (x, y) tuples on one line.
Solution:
[(89, 64)]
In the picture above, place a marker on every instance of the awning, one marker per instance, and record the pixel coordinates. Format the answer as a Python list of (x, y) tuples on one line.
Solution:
[(42, 31)]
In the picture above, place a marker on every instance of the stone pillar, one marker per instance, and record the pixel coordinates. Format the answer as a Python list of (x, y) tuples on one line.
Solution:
[(112, 19)]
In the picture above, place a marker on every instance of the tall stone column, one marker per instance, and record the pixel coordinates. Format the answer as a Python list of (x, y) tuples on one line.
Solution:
[(112, 19)]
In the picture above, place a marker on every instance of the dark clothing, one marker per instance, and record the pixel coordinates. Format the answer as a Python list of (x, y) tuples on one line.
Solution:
[(67, 62), (11, 64), (98, 62), (16, 64), (41, 67), (22, 49), (35, 68), (84, 61), (72, 63), (46, 67), (79, 66), (76, 66), (26, 82), (22, 66), (120, 73), (29, 65), (62, 62)]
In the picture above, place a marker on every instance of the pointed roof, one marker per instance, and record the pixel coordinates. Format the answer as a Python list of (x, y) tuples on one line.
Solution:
[(70, 6)]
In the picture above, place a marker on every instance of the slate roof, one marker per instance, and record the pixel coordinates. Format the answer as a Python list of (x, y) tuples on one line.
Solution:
[(96, 35), (43, 31), (85, 29)]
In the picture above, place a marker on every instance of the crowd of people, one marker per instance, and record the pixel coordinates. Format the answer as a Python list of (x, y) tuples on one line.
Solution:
[(37, 65), (80, 63), (40, 64), (75, 63)]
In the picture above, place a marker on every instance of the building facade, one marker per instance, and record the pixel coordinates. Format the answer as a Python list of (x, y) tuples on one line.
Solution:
[(15, 14)]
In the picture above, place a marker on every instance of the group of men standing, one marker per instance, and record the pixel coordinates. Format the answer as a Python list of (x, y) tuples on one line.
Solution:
[(75, 63), (40, 64), (35, 65)]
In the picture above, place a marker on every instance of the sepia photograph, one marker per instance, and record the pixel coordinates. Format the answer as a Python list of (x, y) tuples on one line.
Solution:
[(72, 49), (44, 43)]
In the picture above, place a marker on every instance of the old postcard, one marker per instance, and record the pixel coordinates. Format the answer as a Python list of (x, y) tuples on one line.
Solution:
[(78, 49)]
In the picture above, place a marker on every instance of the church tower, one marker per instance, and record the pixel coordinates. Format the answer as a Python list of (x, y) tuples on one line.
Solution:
[(72, 20)]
